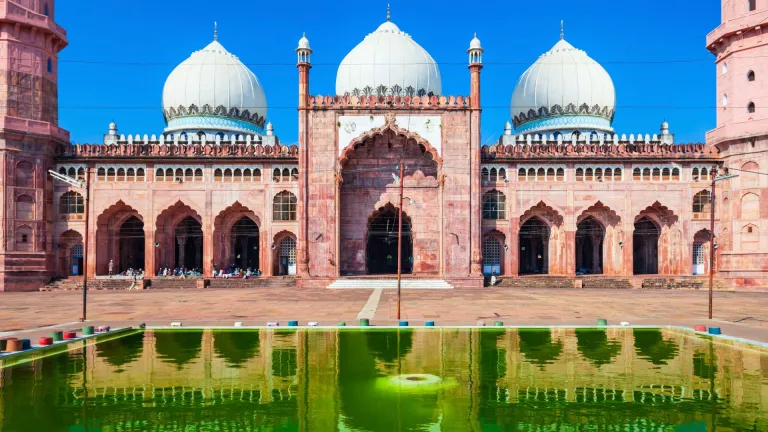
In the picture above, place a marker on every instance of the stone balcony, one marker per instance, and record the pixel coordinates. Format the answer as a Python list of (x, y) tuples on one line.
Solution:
[(33, 127), (736, 131), (742, 23), (13, 11)]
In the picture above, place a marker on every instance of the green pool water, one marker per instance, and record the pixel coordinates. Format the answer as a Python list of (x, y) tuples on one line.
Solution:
[(440, 379)]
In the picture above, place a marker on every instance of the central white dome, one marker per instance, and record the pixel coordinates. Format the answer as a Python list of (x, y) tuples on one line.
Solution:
[(214, 90), (563, 89), (388, 62)]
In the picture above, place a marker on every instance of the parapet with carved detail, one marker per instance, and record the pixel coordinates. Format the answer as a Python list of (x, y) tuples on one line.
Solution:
[(192, 146), (618, 149), (389, 102)]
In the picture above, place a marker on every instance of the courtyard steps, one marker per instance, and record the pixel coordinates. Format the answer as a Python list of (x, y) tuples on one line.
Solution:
[(254, 282), (535, 282), (173, 283), (606, 282), (76, 284), (389, 283), (690, 283)]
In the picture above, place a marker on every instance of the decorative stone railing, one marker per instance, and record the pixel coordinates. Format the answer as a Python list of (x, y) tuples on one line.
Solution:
[(389, 102), (197, 150), (580, 150)]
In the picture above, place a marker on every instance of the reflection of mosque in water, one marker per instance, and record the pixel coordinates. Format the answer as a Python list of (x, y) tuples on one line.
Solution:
[(330, 380)]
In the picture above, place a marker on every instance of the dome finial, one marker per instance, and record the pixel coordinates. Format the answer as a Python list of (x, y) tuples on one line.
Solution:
[(215, 31), (562, 31), (388, 16)]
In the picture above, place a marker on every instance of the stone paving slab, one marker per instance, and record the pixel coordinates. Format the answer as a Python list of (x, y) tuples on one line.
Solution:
[(741, 314)]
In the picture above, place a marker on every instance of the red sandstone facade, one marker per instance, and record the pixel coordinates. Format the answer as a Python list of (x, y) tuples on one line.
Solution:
[(623, 206)]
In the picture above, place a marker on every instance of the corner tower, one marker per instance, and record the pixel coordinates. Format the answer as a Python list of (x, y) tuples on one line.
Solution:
[(30, 42), (740, 44)]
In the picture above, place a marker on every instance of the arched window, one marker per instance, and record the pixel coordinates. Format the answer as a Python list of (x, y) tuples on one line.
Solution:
[(702, 203), (227, 175), (50, 65), (521, 177), (238, 175), (188, 175), (704, 174), (617, 174), (750, 207), (276, 175), (752, 5), (159, 175), (121, 174), (502, 174), (576, 135), (25, 207), (593, 136), (295, 174), (284, 207), (675, 174), (217, 175), (550, 174), (101, 174), (286, 175), (199, 175), (579, 174), (751, 107), (637, 174), (695, 174), (751, 76), (257, 175), (81, 174), (25, 174), (63, 171), (71, 172), (725, 100), (71, 203), (749, 175), (599, 174), (494, 176), (140, 174), (179, 174), (485, 176), (46, 10), (110, 174), (588, 173), (647, 174), (560, 174), (494, 205), (665, 173), (656, 174), (531, 174), (541, 174), (130, 174), (247, 175)]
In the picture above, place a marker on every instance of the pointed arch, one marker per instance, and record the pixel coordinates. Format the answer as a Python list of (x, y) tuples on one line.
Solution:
[(598, 239), (657, 241), (69, 248), (700, 252), (172, 242), (381, 241), (108, 235), (284, 253), (541, 240), (237, 231), (390, 127)]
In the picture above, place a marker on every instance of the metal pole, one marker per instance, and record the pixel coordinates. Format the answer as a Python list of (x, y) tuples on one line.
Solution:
[(712, 237), (85, 241), (400, 239)]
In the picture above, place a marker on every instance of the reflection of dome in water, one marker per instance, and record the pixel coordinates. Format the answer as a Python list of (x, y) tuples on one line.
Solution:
[(178, 347), (122, 350), (236, 347), (412, 382)]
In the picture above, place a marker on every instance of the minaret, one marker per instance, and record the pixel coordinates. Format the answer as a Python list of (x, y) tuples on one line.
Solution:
[(741, 136), (30, 42), (303, 52), (475, 52)]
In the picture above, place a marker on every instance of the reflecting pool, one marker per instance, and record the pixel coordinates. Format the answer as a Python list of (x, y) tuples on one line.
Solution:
[(615, 379)]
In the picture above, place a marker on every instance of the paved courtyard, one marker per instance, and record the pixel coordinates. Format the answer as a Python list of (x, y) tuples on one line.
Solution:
[(742, 314)]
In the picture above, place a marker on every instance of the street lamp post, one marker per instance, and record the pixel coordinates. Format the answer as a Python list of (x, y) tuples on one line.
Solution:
[(715, 179), (80, 184), (400, 238)]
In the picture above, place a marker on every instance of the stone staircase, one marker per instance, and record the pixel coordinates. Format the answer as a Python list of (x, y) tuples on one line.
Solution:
[(171, 283), (536, 282), (603, 282), (254, 282), (388, 283), (76, 284), (701, 283)]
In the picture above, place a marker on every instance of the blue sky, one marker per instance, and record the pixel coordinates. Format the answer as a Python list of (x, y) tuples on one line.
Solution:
[(653, 49)]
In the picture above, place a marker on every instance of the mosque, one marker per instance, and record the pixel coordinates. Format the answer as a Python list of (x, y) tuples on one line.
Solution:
[(562, 199)]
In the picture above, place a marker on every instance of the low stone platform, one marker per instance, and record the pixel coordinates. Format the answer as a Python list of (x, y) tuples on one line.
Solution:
[(387, 283)]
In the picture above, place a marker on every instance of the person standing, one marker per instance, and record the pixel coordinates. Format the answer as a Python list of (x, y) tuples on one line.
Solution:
[(111, 267)]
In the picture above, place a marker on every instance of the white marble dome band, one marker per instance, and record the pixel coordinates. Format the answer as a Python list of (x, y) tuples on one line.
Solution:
[(214, 86), (388, 62), (564, 81)]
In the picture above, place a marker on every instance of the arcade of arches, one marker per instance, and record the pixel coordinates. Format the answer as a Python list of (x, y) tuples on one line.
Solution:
[(540, 244)]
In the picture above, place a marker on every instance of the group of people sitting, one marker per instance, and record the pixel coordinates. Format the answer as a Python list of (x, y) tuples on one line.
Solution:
[(179, 272), (235, 272), (136, 274)]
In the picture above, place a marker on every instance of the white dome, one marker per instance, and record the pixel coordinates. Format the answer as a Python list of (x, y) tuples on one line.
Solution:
[(388, 61), (303, 42), (215, 86), (563, 89)]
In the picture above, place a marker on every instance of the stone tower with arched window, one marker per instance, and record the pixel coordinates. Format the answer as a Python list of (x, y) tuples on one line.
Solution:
[(29, 137), (741, 136)]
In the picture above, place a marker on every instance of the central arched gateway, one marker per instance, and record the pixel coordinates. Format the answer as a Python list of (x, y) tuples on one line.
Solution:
[(382, 243), (132, 244), (189, 244), (534, 247), (645, 252)]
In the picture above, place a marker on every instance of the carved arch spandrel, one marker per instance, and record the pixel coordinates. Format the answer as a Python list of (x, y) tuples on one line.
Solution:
[(390, 125)]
